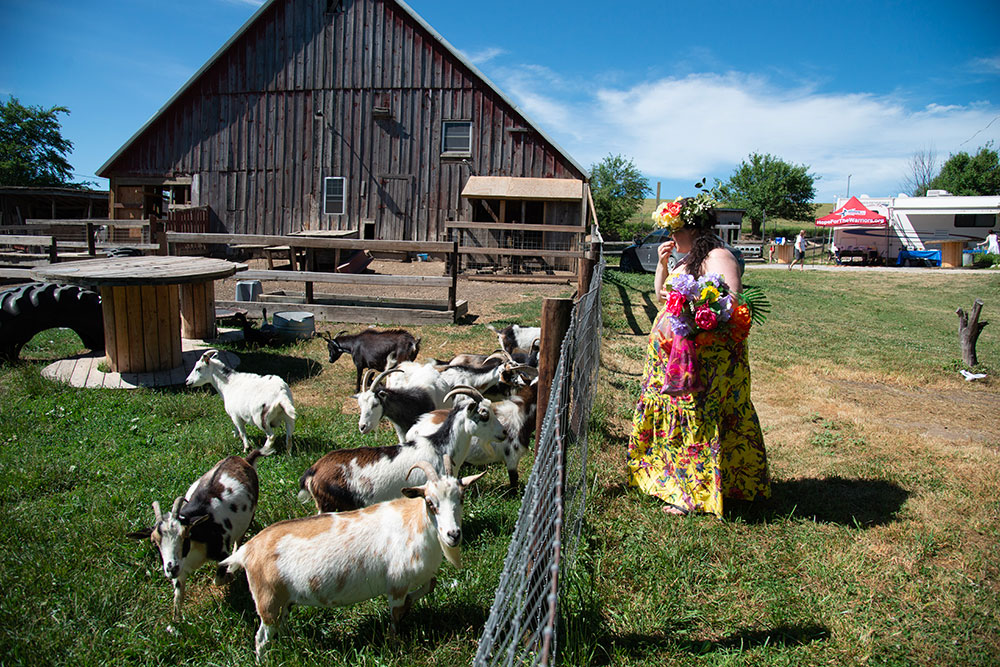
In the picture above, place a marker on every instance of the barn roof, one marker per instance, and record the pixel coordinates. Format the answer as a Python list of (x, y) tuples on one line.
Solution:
[(402, 5)]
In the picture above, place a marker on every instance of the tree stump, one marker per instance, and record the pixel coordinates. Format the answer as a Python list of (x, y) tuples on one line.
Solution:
[(968, 331)]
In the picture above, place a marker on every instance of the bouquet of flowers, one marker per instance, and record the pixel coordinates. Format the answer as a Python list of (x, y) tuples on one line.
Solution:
[(700, 311)]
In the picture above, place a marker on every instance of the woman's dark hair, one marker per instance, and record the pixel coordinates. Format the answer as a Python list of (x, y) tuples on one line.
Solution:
[(703, 241)]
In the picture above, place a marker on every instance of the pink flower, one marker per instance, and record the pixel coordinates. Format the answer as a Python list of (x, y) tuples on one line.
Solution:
[(675, 303), (705, 318)]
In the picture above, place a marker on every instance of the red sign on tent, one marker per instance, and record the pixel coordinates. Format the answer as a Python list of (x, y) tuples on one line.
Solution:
[(851, 213)]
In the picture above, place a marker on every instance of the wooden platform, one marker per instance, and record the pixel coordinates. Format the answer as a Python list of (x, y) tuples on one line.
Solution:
[(357, 309), (83, 371)]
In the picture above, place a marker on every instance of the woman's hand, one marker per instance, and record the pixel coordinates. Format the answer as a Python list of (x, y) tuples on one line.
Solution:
[(664, 251)]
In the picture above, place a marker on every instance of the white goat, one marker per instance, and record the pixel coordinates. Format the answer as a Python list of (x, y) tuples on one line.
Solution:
[(401, 406), (393, 548), (206, 522), (348, 479), (262, 400)]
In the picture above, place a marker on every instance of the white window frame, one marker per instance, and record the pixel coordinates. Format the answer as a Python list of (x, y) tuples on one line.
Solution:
[(343, 195), (444, 132)]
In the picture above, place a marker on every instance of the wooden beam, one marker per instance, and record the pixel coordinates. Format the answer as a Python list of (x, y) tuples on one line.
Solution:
[(461, 224), (522, 252), (555, 323), (83, 222), (351, 314), (312, 242), (347, 278), (28, 240)]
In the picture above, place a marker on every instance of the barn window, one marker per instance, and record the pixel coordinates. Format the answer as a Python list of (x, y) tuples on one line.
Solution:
[(334, 192), (456, 138)]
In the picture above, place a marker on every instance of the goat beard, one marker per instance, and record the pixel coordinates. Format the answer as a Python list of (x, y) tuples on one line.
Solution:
[(453, 554)]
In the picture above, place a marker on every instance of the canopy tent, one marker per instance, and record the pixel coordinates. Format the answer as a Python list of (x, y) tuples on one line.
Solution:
[(852, 213)]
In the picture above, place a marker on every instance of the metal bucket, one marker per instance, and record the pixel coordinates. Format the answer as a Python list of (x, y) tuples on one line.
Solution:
[(294, 324), (968, 259), (248, 290)]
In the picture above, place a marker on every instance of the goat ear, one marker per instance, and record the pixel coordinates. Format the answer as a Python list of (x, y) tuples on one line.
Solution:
[(381, 394), (471, 479), (140, 534), (201, 519), (413, 491)]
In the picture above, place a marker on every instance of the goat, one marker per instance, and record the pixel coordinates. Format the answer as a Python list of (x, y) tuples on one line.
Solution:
[(206, 522), (371, 349), (265, 336), (516, 415), (393, 549), (515, 337), (348, 479), (401, 406), (262, 400)]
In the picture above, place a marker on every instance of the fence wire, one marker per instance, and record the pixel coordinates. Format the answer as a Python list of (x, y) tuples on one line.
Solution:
[(523, 621), (519, 260)]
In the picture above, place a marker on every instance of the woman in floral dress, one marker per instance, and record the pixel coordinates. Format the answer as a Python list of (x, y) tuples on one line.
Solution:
[(693, 449)]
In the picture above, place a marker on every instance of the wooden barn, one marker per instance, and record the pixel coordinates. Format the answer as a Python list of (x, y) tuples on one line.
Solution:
[(353, 115)]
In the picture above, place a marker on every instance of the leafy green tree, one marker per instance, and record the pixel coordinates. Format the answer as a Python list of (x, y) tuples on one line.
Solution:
[(32, 148), (767, 185), (618, 189), (970, 175)]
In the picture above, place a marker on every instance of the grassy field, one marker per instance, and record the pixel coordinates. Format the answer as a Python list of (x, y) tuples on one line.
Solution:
[(880, 545)]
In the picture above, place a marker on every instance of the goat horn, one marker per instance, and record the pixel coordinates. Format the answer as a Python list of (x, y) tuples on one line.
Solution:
[(156, 511), (340, 332), (177, 505), (366, 376), (537, 342), (429, 470), (465, 390), (382, 376)]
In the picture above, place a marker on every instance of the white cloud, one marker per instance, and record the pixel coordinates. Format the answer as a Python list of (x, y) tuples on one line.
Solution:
[(988, 65), (252, 3), (483, 55), (705, 124)]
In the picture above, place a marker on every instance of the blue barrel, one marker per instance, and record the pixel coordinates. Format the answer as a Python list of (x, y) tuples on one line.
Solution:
[(294, 324)]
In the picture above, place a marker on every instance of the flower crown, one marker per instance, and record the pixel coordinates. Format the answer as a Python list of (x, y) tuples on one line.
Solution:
[(696, 212)]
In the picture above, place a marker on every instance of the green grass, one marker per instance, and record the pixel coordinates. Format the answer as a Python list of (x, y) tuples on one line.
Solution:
[(880, 545)]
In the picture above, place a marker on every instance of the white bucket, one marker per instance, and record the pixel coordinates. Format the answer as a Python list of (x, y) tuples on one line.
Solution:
[(294, 324), (248, 290)]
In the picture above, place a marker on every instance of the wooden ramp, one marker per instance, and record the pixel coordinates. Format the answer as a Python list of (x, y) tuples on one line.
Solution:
[(84, 371)]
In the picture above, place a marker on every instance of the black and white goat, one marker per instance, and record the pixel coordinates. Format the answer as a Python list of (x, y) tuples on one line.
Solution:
[(262, 400), (514, 337), (372, 349), (348, 479), (401, 406), (206, 523)]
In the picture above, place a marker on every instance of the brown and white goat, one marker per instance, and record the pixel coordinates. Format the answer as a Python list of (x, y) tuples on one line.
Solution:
[(347, 479), (393, 549), (206, 522)]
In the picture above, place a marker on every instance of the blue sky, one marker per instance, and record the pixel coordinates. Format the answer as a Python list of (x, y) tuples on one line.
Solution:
[(686, 89)]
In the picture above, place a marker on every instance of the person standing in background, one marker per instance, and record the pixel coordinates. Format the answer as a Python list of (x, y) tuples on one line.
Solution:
[(800, 250)]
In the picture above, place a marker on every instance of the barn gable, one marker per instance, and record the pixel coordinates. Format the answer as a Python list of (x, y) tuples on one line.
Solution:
[(325, 114)]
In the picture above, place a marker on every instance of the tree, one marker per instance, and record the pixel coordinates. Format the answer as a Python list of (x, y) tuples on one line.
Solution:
[(962, 174), (618, 189), (767, 185), (32, 148), (921, 170)]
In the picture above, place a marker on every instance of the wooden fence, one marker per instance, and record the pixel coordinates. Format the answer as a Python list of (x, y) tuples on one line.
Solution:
[(512, 245), (343, 308)]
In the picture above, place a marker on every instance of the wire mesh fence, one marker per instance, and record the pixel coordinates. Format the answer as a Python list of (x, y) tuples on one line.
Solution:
[(523, 621), (515, 249)]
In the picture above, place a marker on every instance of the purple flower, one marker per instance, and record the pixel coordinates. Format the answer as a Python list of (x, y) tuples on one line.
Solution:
[(686, 284), (680, 325), (713, 279), (725, 304)]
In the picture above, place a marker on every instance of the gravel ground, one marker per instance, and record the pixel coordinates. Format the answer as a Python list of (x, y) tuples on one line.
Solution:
[(483, 297)]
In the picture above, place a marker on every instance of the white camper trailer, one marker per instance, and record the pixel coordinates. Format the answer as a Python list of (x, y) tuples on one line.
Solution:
[(922, 223)]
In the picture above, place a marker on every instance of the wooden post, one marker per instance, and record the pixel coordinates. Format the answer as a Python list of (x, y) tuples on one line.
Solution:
[(658, 193), (968, 332), (453, 290), (53, 252), (91, 241), (555, 324), (587, 270), (161, 238)]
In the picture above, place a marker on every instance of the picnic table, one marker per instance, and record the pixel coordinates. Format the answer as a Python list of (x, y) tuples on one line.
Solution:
[(149, 304), (309, 261)]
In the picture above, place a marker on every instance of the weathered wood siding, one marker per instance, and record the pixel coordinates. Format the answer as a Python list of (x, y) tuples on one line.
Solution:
[(290, 102)]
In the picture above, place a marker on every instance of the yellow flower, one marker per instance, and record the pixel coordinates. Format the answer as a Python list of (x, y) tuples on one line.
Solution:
[(668, 214), (709, 294)]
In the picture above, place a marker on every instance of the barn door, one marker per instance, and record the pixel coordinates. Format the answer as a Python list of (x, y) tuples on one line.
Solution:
[(395, 214)]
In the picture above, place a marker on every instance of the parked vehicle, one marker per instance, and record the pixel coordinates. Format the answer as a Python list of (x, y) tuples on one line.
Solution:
[(642, 254)]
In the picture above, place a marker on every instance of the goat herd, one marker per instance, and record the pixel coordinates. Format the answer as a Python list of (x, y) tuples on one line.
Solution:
[(386, 515)]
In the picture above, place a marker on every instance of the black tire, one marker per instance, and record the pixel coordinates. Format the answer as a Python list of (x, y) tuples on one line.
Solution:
[(26, 310)]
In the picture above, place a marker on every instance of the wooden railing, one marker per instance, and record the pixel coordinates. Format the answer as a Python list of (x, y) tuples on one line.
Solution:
[(169, 240)]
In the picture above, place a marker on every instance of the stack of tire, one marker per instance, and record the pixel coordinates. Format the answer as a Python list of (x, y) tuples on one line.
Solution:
[(26, 310)]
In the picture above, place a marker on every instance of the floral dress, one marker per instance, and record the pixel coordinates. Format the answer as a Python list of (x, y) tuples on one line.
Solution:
[(693, 450)]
